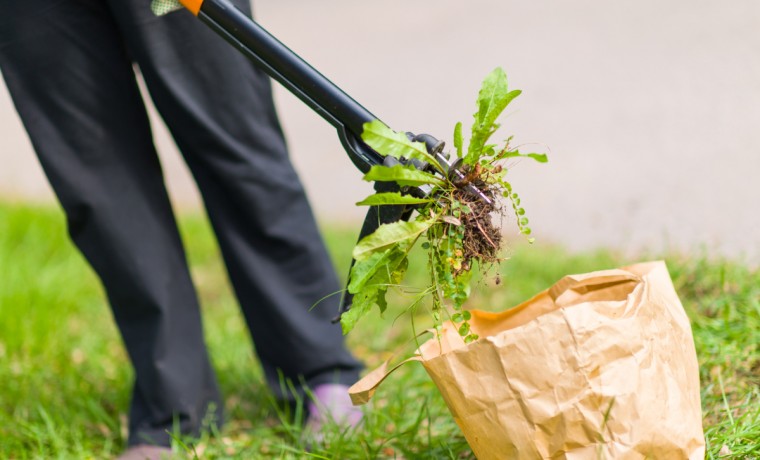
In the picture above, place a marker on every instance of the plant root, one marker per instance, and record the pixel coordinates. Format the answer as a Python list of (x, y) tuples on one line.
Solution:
[(482, 239)]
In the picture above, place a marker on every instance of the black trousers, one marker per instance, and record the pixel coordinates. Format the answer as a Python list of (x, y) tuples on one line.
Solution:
[(69, 67)]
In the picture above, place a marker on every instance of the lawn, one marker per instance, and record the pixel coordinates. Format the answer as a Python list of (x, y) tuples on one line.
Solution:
[(65, 382)]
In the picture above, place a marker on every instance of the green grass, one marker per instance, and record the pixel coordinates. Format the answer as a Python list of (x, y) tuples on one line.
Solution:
[(65, 382)]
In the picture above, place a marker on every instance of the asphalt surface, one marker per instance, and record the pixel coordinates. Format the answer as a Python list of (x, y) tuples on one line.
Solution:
[(650, 110)]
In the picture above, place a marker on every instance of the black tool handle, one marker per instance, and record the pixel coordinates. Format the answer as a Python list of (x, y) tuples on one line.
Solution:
[(296, 75)]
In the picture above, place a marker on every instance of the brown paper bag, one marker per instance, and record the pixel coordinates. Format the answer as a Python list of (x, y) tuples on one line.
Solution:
[(601, 365)]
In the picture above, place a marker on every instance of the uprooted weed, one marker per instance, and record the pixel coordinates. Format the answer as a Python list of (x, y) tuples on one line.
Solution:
[(456, 206)]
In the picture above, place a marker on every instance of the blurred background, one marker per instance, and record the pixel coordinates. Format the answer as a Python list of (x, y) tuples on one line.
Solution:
[(649, 111)]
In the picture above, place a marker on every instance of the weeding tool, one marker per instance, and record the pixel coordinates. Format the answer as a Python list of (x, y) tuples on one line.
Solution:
[(328, 100)]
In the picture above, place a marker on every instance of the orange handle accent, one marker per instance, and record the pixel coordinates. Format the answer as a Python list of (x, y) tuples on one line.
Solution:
[(193, 5)]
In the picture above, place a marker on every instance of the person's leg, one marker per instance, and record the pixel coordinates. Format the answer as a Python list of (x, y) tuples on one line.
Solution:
[(219, 109), (73, 85)]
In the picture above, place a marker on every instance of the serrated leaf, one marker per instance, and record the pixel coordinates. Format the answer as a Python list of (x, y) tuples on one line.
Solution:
[(388, 234), (360, 306), (391, 198), (365, 269), (402, 175), (388, 142), (392, 273), (369, 282), (458, 139), (493, 98)]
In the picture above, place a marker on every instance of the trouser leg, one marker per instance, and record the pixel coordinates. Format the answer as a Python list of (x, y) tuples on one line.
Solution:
[(219, 109), (72, 83)]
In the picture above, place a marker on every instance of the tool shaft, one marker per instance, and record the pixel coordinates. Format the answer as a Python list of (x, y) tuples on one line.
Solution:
[(285, 66)]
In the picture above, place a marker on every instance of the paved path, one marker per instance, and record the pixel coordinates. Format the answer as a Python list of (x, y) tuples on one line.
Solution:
[(651, 109)]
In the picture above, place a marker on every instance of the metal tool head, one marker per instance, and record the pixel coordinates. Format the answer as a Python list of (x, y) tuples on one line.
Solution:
[(452, 168)]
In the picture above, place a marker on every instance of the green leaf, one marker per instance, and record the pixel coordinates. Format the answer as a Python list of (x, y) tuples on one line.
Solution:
[(369, 282), (390, 198), (402, 175), (388, 142), (398, 269), (493, 98), (539, 157), (471, 338), (388, 234), (458, 139), (459, 292), (380, 301), (365, 269), (360, 306)]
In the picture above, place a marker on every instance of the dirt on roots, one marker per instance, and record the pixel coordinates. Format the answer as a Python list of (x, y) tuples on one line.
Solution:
[(482, 239)]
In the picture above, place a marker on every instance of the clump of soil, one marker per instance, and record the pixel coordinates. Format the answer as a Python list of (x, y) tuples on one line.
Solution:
[(482, 239)]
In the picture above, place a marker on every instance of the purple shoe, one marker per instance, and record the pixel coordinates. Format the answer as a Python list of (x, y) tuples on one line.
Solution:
[(331, 403)]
